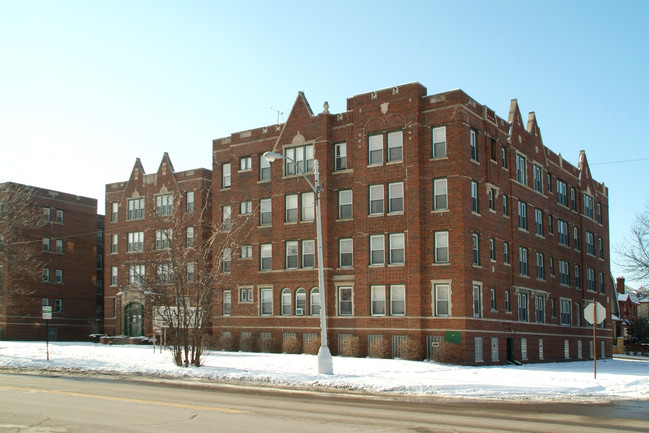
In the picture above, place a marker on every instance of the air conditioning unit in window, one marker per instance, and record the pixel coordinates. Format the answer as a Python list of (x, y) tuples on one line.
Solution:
[(299, 311)]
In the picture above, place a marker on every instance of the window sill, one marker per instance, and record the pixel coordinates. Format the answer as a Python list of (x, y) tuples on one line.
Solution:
[(441, 264), (439, 211), (345, 171)]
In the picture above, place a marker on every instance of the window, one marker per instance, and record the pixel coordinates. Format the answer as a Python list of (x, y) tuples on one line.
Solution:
[(588, 206), (345, 301), (164, 205), (474, 197), (504, 156), (573, 199), (493, 300), (291, 208), (538, 220), (539, 303), (377, 253), (395, 146), (522, 307), (113, 275), (590, 243), (376, 199), (340, 151), (395, 197), (478, 349), (506, 252), (59, 216), (521, 169), (113, 243), (162, 239), (47, 214), (2, 241), (264, 168), (314, 298), (575, 237), (46, 244), (164, 273), (266, 257), (46, 274), (189, 276), (375, 149), (550, 224), (522, 258), (590, 279), (522, 215), (226, 175), (599, 212), (492, 249), (440, 192), (473, 137), (477, 300), (439, 142), (190, 202), (114, 211), (308, 253), (397, 300), (508, 302), (246, 251), (397, 248), (602, 289), (245, 163), (266, 302), (58, 306), (189, 236), (600, 248), (552, 266), (549, 182), (562, 228), (308, 206), (226, 215), (442, 300), (135, 209), (345, 204), (494, 150), (377, 305), (540, 266), (577, 277), (564, 273), (492, 200), (245, 294), (136, 274), (302, 157), (265, 212), (441, 247), (562, 193), (291, 254), (135, 241), (300, 301), (475, 245), (226, 262), (227, 302), (505, 205), (538, 178), (245, 207), (565, 312), (346, 248), (286, 302)]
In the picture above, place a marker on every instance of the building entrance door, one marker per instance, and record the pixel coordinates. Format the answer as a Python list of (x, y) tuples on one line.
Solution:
[(510, 350), (133, 320)]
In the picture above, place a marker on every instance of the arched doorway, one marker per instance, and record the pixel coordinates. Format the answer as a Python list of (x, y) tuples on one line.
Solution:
[(134, 319)]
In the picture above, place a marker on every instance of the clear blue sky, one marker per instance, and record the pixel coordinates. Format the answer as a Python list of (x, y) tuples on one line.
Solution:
[(86, 87)]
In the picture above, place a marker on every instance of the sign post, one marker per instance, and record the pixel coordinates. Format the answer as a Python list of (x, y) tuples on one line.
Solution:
[(595, 314), (47, 315)]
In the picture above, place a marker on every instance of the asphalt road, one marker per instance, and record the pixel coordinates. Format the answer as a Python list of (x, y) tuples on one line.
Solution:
[(60, 404)]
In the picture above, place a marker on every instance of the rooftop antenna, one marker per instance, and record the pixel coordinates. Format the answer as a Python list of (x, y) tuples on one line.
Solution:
[(278, 113)]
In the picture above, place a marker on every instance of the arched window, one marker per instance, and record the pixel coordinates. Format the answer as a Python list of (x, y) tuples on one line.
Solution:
[(300, 302), (314, 307), (286, 302)]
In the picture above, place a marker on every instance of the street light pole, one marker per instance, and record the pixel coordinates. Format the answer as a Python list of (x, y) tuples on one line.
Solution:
[(325, 362)]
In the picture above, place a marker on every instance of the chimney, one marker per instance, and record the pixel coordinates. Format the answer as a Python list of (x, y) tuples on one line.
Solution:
[(619, 285)]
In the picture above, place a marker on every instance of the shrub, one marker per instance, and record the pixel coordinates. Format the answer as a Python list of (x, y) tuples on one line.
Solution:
[(351, 347), (448, 353), (379, 348), (291, 345), (412, 349), (250, 343), (312, 346)]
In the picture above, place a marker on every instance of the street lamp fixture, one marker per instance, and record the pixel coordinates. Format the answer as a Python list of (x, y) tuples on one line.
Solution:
[(325, 362)]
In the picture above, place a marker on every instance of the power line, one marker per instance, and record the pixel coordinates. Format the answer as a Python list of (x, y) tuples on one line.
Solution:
[(619, 162)]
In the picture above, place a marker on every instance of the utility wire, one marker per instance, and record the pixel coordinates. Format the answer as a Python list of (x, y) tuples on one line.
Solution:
[(619, 162)]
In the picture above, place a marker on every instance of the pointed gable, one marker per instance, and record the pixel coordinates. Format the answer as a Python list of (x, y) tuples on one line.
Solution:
[(584, 171), (514, 117), (533, 126), (166, 176)]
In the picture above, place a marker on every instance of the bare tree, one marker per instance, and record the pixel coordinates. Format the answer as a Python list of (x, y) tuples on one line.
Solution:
[(20, 244), (184, 274), (634, 252)]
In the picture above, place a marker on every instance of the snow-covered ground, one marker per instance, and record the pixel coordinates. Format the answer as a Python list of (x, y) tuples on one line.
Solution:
[(573, 381)]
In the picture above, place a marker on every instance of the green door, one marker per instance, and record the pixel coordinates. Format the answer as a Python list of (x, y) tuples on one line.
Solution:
[(133, 320)]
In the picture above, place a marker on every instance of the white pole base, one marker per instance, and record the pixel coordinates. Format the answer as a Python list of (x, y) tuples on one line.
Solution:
[(325, 362)]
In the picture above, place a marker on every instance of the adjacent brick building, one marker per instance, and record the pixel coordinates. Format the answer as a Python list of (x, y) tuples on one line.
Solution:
[(441, 222), (61, 236), (138, 219)]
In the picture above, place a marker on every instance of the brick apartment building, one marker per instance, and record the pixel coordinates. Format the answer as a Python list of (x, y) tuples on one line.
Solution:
[(137, 213), (63, 239), (441, 222)]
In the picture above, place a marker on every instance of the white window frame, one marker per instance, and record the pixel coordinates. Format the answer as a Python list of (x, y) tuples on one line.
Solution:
[(439, 142), (442, 297), (291, 208), (396, 197), (377, 241), (345, 300), (226, 175), (397, 244), (397, 300), (395, 146), (292, 255), (377, 301), (376, 197), (308, 253), (308, 206), (345, 204), (346, 253), (266, 257), (340, 154), (265, 212), (441, 247), (375, 149), (440, 194)]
